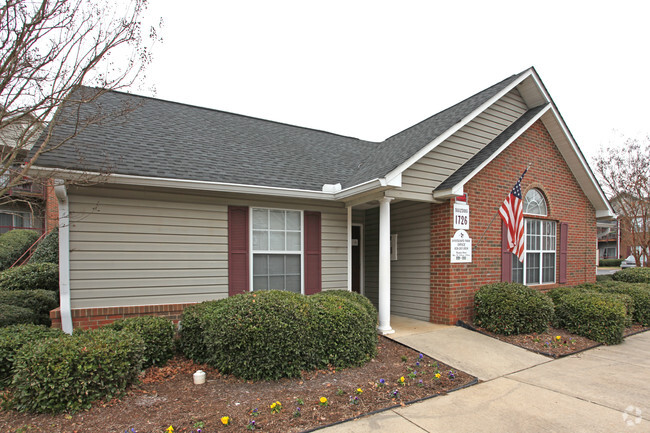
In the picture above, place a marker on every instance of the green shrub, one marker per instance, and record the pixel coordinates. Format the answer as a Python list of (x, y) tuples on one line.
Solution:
[(13, 338), (14, 315), (356, 297), (157, 334), (343, 330), (272, 334), (511, 308), (47, 250), (41, 302), (598, 316), (633, 275), (640, 294), (194, 320), (32, 276), (602, 278), (13, 245), (69, 373), (260, 335), (610, 263)]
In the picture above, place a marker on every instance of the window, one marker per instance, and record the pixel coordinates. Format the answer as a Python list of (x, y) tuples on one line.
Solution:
[(14, 220), (541, 244), (277, 249)]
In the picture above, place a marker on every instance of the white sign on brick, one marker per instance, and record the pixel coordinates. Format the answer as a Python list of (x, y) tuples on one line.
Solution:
[(461, 247)]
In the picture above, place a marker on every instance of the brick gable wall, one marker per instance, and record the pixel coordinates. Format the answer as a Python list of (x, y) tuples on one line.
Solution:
[(453, 285)]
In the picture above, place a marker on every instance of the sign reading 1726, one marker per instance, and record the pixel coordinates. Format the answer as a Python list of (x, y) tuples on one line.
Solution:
[(461, 216)]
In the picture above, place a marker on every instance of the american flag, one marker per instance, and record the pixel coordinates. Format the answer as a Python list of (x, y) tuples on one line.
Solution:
[(512, 213)]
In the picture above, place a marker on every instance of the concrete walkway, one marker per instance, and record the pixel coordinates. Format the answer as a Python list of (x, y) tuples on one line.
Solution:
[(606, 389)]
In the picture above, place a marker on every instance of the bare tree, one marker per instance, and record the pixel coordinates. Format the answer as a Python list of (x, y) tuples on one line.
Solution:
[(49, 49), (624, 171)]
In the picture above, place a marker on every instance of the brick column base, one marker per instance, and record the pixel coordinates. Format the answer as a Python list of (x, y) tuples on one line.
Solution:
[(90, 318)]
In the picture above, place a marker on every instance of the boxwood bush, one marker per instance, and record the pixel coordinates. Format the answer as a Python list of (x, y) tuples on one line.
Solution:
[(157, 334), (612, 263), (512, 308), (640, 294), (598, 316), (32, 276), (12, 338), (47, 250), (69, 373), (13, 245), (267, 335), (15, 315), (38, 301), (633, 275), (343, 330)]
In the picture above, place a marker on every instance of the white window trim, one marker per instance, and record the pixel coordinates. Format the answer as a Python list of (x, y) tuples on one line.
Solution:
[(540, 252), (543, 200), (251, 251)]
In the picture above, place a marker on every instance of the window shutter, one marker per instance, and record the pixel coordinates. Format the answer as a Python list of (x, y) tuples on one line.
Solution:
[(312, 253), (238, 257), (506, 256), (564, 242)]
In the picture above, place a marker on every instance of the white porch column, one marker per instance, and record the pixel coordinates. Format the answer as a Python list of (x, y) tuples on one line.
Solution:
[(384, 266)]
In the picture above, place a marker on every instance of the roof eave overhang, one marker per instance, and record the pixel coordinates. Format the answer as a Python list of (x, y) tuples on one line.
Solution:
[(81, 177)]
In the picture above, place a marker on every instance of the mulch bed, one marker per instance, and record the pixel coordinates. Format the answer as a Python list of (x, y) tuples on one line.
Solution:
[(167, 396), (548, 343)]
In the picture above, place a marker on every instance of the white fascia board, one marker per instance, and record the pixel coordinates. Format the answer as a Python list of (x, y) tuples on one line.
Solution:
[(605, 215), (584, 165), (123, 179), (464, 121), (454, 190)]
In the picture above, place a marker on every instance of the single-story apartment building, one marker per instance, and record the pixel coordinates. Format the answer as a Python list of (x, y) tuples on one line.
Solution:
[(191, 204)]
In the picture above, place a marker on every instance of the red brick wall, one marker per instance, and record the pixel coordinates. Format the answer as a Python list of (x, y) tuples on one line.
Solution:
[(453, 285), (51, 207), (85, 318)]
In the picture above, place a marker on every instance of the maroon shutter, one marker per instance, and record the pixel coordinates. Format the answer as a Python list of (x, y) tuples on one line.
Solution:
[(312, 253), (237, 250), (506, 256), (564, 242)]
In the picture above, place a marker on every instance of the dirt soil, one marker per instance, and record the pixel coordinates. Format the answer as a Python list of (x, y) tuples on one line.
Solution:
[(167, 396), (549, 344)]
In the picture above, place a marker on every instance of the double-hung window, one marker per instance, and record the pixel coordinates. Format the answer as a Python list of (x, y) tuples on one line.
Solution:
[(277, 249), (541, 244)]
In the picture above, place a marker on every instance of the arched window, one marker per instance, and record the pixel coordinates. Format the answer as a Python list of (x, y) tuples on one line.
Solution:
[(534, 203)]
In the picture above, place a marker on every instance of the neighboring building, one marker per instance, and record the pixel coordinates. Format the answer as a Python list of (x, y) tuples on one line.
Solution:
[(608, 240), (202, 204)]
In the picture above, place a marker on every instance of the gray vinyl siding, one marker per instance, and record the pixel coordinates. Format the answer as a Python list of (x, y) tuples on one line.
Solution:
[(130, 247), (410, 273), (419, 180)]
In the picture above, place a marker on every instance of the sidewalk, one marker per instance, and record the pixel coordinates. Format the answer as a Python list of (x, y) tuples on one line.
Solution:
[(606, 389)]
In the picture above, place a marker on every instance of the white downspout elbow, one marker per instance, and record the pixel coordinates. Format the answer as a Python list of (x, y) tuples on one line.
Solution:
[(64, 255)]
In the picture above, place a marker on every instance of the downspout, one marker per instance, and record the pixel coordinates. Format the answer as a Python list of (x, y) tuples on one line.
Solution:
[(64, 255)]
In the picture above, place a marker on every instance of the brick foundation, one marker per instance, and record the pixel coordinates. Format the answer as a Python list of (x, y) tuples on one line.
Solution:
[(453, 285), (90, 318)]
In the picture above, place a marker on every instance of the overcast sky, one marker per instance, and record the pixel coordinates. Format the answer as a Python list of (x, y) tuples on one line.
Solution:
[(370, 69)]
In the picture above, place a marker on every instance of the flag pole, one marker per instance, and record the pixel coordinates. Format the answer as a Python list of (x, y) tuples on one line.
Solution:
[(530, 164)]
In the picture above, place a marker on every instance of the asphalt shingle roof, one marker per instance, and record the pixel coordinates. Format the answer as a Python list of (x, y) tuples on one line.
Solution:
[(165, 139)]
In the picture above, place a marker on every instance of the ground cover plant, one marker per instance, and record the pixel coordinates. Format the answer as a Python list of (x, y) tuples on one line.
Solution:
[(167, 396)]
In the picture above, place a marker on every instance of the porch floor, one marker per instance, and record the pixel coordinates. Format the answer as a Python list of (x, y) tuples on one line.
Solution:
[(405, 326)]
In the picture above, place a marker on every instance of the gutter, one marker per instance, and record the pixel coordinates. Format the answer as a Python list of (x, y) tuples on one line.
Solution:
[(64, 255)]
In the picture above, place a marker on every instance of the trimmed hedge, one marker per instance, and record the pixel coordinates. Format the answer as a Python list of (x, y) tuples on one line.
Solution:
[(13, 245), (598, 316), (267, 335), (12, 338), (640, 294), (512, 308), (47, 250), (69, 373), (15, 315), (32, 276), (610, 263), (157, 334), (343, 330), (633, 275), (41, 302)]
